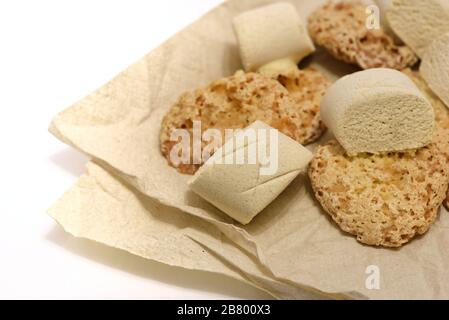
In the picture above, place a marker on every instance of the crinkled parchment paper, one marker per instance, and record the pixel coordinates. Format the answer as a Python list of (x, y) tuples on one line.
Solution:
[(131, 199)]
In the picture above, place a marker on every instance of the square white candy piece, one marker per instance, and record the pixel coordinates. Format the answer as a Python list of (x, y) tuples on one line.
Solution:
[(250, 170), (271, 33)]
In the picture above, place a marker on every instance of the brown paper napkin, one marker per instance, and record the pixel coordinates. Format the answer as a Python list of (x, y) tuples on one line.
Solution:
[(103, 208), (292, 242)]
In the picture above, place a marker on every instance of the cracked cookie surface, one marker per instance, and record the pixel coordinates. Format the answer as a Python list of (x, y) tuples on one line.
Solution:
[(384, 200)]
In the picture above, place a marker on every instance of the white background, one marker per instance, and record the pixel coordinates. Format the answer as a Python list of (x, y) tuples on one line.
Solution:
[(53, 53)]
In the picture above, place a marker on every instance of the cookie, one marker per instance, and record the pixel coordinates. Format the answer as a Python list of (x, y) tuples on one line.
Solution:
[(340, 27), (384, 200), (237, 101)]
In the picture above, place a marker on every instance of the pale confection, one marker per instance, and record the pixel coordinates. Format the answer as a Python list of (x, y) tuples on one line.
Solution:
[(271, 33), (435, 67), (419, 22), (376, 111), (244, 190)]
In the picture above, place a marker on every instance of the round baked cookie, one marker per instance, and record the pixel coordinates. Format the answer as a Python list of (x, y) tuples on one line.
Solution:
[(238, 101), (340, 27), (384, 200)]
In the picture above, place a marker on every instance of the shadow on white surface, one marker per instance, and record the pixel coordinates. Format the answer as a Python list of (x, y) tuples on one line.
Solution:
[(155, 271), (70, 160)]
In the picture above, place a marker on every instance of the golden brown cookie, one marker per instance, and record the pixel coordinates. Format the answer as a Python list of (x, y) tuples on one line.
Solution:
[(384, 200), (237, 101), (340, 27)]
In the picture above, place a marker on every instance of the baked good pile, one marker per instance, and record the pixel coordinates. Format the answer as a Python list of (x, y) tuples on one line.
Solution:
[(385, 175)]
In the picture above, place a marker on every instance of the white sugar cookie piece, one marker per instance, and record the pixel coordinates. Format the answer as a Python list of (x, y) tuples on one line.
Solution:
[(271, 33), (376, 111), (243, 189), (435, 67)]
